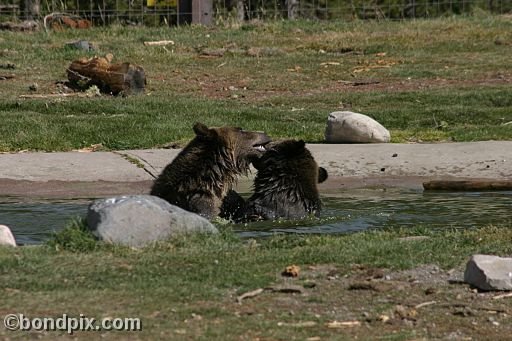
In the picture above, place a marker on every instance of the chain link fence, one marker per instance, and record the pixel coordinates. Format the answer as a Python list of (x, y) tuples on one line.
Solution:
[(175, 12)]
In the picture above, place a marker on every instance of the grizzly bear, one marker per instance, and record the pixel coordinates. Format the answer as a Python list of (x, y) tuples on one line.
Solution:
[(203, 173), (286, 184)]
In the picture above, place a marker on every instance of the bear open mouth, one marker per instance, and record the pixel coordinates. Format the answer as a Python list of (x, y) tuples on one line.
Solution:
[(259, 143), (261, 146)]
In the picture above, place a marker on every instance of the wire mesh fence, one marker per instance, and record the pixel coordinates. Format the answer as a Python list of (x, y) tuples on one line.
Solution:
[(172, 12)]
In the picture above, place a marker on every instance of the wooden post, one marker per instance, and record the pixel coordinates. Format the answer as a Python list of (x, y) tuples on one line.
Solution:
[(202, 11), (32, 9), (240, 10), (293, 7)]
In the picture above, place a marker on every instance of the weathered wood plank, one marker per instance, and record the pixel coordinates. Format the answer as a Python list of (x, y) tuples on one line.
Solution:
[(468, 185)]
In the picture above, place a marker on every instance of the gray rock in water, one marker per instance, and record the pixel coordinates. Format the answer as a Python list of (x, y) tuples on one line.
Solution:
[(489, 272), (138, 220), (6, 237), (351, 127)]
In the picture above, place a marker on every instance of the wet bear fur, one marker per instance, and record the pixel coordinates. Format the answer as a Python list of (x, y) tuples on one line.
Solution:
[(286, 184), (203, 173)]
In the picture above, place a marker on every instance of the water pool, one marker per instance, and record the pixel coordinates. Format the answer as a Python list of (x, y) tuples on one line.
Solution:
[(33, 222)]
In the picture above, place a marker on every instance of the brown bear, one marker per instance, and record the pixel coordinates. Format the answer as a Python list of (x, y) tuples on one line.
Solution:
[(203, 173), (285, 185)]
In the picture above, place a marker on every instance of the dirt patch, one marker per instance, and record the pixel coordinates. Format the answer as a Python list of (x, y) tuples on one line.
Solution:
[(241, 89), (369, 303)]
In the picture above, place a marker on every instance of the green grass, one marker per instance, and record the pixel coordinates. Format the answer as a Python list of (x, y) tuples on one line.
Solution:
[(429, 71), (165, 284)]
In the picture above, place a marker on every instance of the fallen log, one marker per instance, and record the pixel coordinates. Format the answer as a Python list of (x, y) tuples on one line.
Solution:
[(60, 21), (468, 185), (124, 78)]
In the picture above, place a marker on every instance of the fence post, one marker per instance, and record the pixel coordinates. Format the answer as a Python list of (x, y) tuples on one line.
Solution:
[(32, 9), (240, 10), (293, 5), (202, 12)]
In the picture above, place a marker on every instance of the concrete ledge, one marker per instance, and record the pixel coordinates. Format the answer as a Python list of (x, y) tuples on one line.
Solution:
[(98, 174)]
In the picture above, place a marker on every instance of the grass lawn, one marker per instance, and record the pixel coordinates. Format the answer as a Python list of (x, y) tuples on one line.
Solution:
[(186, 289), (426, 80)]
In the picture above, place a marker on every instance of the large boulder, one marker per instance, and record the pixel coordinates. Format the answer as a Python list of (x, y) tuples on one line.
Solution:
[(138, 220), (351, 127), (489, 272), (6, 237)]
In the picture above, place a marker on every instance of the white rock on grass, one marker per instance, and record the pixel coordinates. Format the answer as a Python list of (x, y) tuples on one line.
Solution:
[(138, 220), (6, 237), (489, 272), (351, 127)]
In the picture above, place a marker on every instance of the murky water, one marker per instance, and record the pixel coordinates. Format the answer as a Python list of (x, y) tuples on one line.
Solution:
[(354, 210), (358, 210), (34, 222)]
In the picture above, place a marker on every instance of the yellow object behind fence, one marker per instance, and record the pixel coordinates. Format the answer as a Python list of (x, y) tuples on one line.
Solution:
[(161, 3)]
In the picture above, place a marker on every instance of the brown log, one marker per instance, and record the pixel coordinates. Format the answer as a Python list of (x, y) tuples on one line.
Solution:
[(118, 78), (468, 185)]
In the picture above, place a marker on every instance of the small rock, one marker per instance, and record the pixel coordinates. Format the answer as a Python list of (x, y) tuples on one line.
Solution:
[(82, 45), (6, 237), (138, 220), (351, 127), (489, 272)]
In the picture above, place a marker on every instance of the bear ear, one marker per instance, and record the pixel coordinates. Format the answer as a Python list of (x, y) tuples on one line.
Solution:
[(291, 147), (322, 174), (296, 146), (201, 130)]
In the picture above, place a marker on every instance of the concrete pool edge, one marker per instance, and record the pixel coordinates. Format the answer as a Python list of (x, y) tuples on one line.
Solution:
[(98, 174), (56, 189)]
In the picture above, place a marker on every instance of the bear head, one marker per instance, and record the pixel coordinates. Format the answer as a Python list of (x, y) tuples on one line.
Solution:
[(291, 154), (286, 183), (242, 146)]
